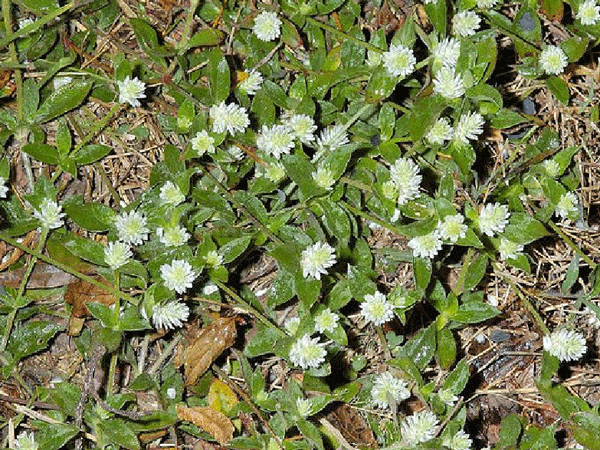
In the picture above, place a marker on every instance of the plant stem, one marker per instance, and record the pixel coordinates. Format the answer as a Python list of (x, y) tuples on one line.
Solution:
[(463, 273), (187, 29)]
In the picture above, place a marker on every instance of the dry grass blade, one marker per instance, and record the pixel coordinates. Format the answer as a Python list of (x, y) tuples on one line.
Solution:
[(213, 422), (204, 349)]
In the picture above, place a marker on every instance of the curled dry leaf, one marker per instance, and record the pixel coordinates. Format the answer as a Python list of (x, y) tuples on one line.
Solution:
[(213, 340), (213, 422), (78, 294)]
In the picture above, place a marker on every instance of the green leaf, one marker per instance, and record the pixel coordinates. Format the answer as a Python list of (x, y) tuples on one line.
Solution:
[(234, 248), (559, 89), (586, 429), (275, 93), (475, 272), (387, 121), (53, 436), (381, 85), (91, 153), (438, 15), (39, 7), (524, 229), (31, 337), (340, 295), (281, 290), (205, 37), (219, 77), (464, 156), (574, 47), (90, 216), (299, 169), (421, 347), (63, 100), (119, 432), (457, 379), (474, 312), (145, 34), (66, 396), (103, 313), (311, 432), (307, 289), (63, 138), (422, 271), (132, 320), (510, 432), (43, 152), (446, 348), (68, 165), (409, 368), (424, 115), (262, 343), (571, 275), (506, 118)]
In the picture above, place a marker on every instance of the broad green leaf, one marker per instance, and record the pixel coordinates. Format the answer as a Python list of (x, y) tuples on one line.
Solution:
[(339, 296), (307, 289), (571, 275), (506, 118), (421, 347), (262, 343), (559, 89), (68, 165), (63, 100), (120, 433), (475, 272), (63, 138), (438, 15), (409, 368), (458, 378), (282, 289), (474, 312), (446, 348), (219, 76), (31, 337), (510, 432), (386, 121), (145, 34), (234, 248), (275, 93), (86, 249), (574, 47), (299, 169), (90, 216), (422, 271), (53, 436), (464, 156), (424, 115), (43, 152), (524, 229), (381, 85), (205, 37), (585, 427), (66, 396), (103, 313), (91, 153), (39, 7)]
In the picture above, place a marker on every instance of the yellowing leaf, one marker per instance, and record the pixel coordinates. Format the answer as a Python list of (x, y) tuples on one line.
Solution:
[(213, 422), (221, 397)]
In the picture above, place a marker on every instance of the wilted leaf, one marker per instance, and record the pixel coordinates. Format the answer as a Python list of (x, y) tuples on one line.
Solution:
[(221, 397), (213, 422), (207, 347), (44, 276), (80, 293)]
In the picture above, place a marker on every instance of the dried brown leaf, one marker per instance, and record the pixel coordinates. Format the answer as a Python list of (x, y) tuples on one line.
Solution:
[(78, 294), (213, 422), (206, 347)]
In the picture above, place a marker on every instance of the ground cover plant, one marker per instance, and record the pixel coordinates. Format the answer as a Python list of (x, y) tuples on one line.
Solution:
[(313, 224)]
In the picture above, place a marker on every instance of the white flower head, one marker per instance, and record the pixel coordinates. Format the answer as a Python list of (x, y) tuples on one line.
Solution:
[(169, 193), (303, 127), (131, 227), (26, 441), (274, 172), (303, 405), (405, 176), (232, 118), (376, 309), (447, 52), (169, 315), (387, 387), (251, 83), (3, 188), (566, 345), (469, 127), (203, 143), (275, 141), (178, 275), (465, 23), (460, 441), (307, 352), (131, 90), (316, 259), (324, 178), (116, 254), (567, 206), (447, 84), (49, 214), (486, 4), (326, 321), (426, 246), (419, 427), (210, 288), (553, 60), (267, 26), (291, 325), (447, 397), (589, 12), (452, 228), (399, 61), (332, 137), (552, 168), (235, 153), (174, 236), (493, 218), (509, 249), (213, 258), (440, 132)]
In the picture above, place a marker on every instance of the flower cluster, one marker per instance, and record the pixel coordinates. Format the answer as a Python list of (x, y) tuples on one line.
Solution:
[(267, 26), (307, 352), (131, 90), (419, 428), (49, 214), (386, 388), (316, 259), (399, 61), (553, 60), (376, 309), (566, 345), (169, 315)]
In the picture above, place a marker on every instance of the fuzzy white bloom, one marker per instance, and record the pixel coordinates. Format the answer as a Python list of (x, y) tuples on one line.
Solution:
[(252, 83), (291, 325), (552, 168), (171, 393), (460, 441), (49, 214), (387, 387), (169, 193), (267, 26), (131, 90), (399, 61), (447, 397), (169, 315), (324, 178), (210, 288), (332, 137), (3, 188), (326, 321), (307, 352), (275, 141), (26, 441), (178, 275), (131, 227), (235, 153), (465, 23), (493, 218), (116, 254), (376, 309), (405, 176), (447, 52), (426, 246), (567, 205), (440, 132), (213, 259), (452, 228), (469, 127), (232, 118), (274, 172), (203, 143), (509, 249), (589, 12), (447, 84), (316, 259), (566, 345), (303, 405), (174, 236), (553, 60), (419, 427), (486, 4), (303, 127)]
